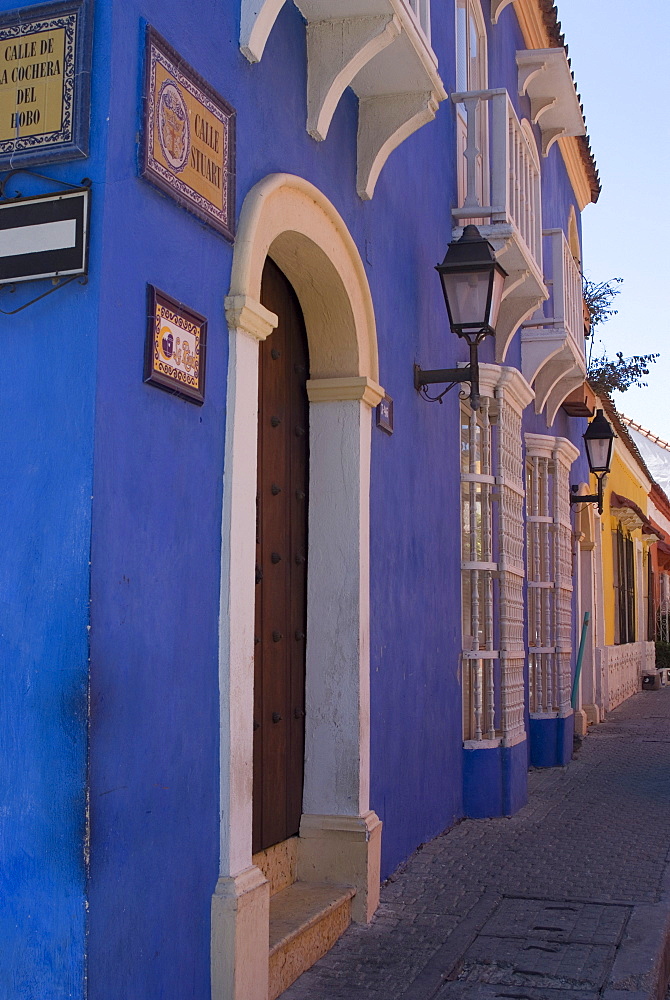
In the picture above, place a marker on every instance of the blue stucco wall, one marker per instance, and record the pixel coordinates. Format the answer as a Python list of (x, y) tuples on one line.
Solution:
[(154, 750), (154, 638), (551, 741), (153, 465), (47, 401), (156, 565), (495, 781)]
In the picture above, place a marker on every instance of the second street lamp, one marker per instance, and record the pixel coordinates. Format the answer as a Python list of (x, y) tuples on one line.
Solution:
[(598, 442), (472, 282)]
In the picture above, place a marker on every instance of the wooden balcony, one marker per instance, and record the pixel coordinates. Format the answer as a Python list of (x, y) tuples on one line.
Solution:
[(500, 184)]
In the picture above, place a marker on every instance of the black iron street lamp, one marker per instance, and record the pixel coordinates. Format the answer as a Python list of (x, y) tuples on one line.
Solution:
[(472, 282), (598, 441)]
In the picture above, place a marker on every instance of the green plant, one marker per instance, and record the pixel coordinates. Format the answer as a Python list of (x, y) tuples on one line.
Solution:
[(662, 654), (605, 375), (608, 376), (598, 297)]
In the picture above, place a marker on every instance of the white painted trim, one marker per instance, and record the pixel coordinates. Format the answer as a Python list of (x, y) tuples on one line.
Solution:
[(236, 621), (323, 390), (321, 260), (240, 916), (573, 237), (517, 390), (290, 220), (501, 377), (337, 709), (513, 741), (343, 850), (547, 446), (623, 453), (246, 314)]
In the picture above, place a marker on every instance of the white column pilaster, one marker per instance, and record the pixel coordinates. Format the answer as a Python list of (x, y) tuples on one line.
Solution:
[(240, 905)]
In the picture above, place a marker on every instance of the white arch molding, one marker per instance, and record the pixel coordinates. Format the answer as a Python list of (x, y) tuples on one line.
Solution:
[(288, 219)]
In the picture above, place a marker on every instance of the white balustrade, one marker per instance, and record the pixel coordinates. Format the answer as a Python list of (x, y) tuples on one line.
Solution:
[(511, 166), (621, 670), (566, 288), (492, 477)]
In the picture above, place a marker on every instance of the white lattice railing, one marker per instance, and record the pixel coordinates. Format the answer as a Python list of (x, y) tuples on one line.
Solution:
[(477, 572), (621, 670), (421, 11), (493, 654), (549, 551), (566, 288), (511, 568), (512, 165)]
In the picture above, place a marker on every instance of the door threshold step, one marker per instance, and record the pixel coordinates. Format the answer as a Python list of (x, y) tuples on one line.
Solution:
[(306, 919)]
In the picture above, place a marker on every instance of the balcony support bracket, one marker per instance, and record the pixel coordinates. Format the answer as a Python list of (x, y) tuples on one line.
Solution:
[(258, 18), (497, 7), (561, 391), (379, 48), (384, 121), (545, 76), (336, 50)]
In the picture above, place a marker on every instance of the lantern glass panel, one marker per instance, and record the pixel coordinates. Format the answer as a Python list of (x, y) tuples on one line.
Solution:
[(498, 285), (467, 296), (598, 452)]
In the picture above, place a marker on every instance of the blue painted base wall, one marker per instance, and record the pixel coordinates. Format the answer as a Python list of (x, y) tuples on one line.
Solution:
[(495, 781), (551, 741)]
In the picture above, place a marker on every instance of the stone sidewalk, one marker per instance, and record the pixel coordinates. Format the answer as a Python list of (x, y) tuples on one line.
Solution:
[(567, 900)]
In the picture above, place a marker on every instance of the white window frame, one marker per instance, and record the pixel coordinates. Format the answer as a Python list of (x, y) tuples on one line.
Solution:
[(473, 13), (493, 678), (550, 573)]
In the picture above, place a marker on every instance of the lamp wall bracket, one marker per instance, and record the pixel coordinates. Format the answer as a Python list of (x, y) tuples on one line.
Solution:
[(595, 499), (57, 283), (439, 376)]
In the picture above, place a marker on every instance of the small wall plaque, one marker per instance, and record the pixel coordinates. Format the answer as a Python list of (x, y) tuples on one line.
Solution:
[(189, 137), (45, 73), (175, 347), (385, 415)]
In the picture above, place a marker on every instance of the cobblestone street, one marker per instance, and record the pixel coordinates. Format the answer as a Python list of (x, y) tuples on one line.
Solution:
[(566, 899)]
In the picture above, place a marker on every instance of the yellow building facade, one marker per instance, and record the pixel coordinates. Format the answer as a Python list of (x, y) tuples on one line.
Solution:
[(620, 644)]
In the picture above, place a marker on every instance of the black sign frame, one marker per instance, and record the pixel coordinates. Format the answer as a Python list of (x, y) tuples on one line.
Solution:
[(59, 262)]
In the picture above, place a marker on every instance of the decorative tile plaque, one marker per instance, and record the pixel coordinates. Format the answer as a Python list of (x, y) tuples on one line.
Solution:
[(175, 347), (189, 137), (45, 71)]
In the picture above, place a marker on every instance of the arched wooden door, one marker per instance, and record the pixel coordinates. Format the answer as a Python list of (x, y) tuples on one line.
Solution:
[(281, 568)]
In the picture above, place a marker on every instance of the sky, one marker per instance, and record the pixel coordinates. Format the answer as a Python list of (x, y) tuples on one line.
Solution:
[(619, 54)]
